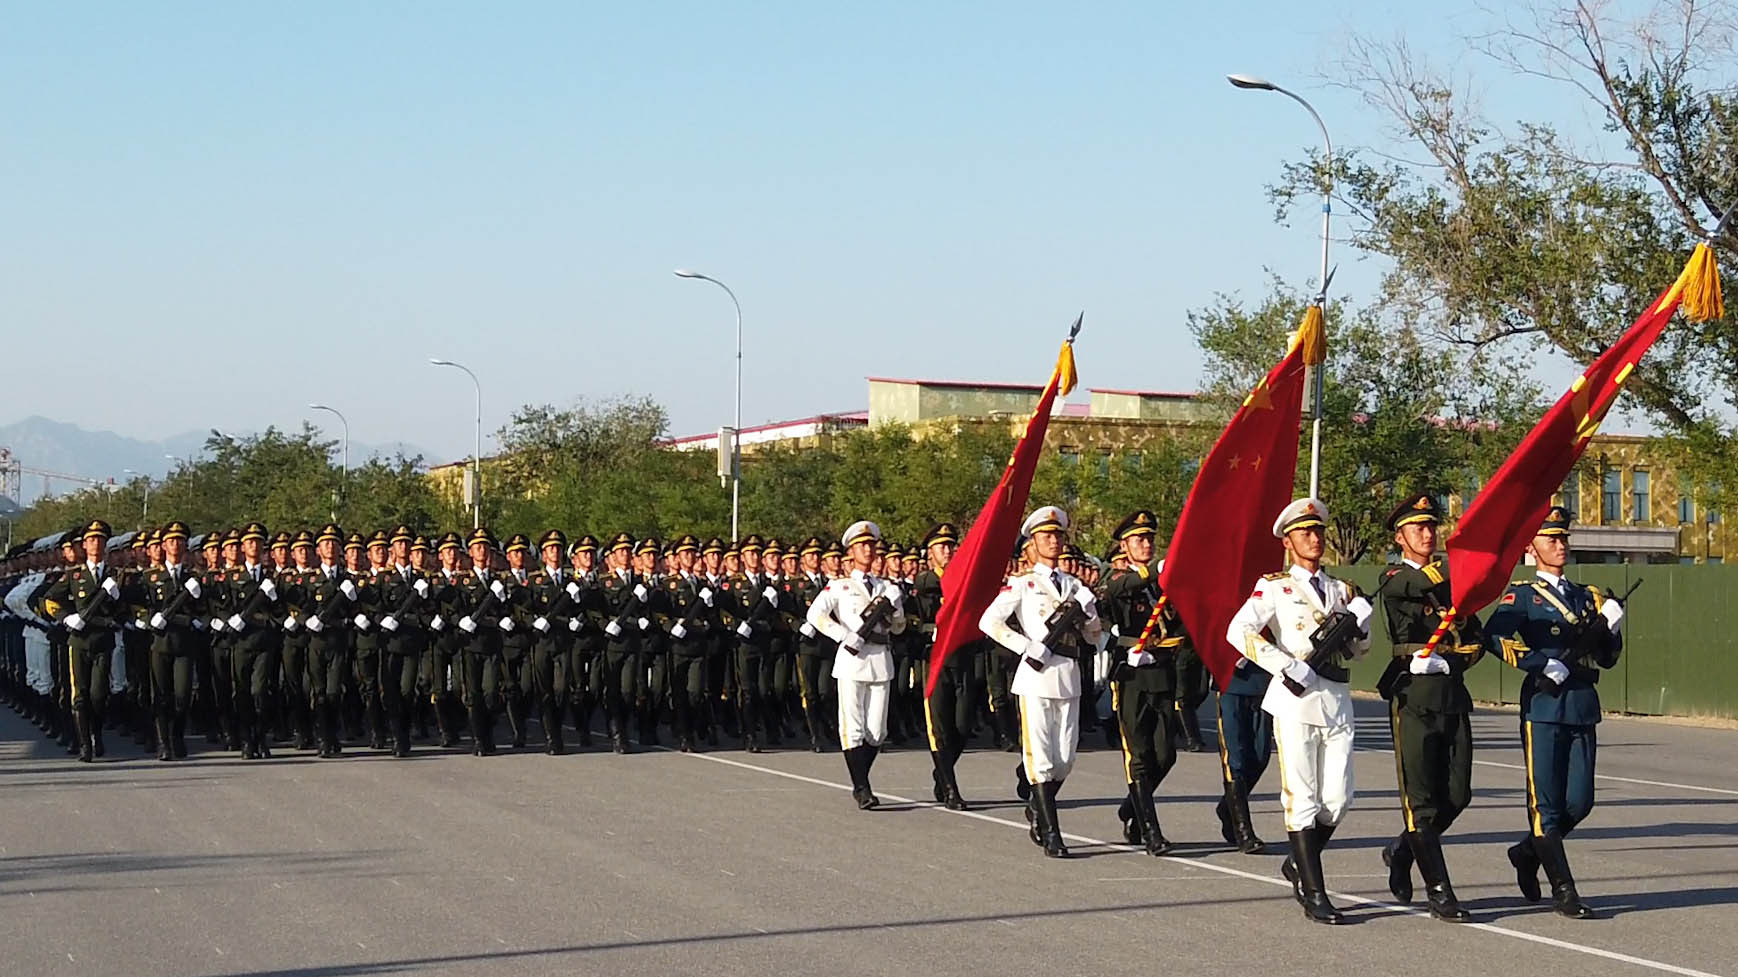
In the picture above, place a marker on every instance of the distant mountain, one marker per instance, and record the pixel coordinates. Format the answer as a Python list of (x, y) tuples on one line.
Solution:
[(67, 449)]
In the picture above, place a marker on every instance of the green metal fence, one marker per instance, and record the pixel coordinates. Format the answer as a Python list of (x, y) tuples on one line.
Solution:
[(1680, 642)]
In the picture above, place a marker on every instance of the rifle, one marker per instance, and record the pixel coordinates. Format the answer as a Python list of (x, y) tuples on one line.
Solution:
[(181, 595), (690, 615), (1585, 631), (337, 595), (875, 618), (1062, 632), (98, 602), (253, 601), (634, 603), (1329, 642)]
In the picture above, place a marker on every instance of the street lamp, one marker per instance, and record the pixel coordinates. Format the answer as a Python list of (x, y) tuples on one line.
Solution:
[(477, 456), (145, 510), (1252, 83), (736, 429), (344, 477)]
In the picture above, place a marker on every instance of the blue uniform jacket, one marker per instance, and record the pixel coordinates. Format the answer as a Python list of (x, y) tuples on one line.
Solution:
[(1533, 623)]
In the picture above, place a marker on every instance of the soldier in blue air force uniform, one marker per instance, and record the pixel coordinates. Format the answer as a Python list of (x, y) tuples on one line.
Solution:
[(1560, 633)]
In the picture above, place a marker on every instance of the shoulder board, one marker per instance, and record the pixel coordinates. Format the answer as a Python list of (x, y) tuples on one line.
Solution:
[(1281, 575), (1434, 572), (1523, 583)]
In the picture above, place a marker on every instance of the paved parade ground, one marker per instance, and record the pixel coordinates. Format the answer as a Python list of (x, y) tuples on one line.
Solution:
[(730, 863)]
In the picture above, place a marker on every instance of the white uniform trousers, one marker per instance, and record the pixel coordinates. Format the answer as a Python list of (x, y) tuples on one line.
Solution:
[(1315, 768), (1049, 737), (862, 713)]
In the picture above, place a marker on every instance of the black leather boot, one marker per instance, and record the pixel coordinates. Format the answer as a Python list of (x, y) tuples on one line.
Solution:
[(1427, 846), (1247, 841), (1525, 859), (178, 736), (1127, 814), (553, 733), (1152, 836), (1189, 723), (1311, 889), (165, 752), (516, 720), (1566, 901), (1045, 798), (81, 727), (1397, 857)]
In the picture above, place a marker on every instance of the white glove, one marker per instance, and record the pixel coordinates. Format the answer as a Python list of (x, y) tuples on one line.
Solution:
[(74, 622), (291, 624), (389, 622), (506, 624), (1299, 672), (744, 630), (644, 624), (1612, 611), (111, 588), (706, 596), (348, 589), (191, 585), (236, 623), (573, 624), (361, 622), (640, 591), (159, 622), (217, 624), (853, 642), (467, 625), (808, 630), (314, 625), (541, 623), (1556, 671), (1361, 610), (499, 589), (1087, 600), (268, 588), (771, 595), (573, 589), (613, 629), (1431, 664), (437, 623), (1035, 649), (677, 631), (421, 587), (889, 590), (1138, 657)]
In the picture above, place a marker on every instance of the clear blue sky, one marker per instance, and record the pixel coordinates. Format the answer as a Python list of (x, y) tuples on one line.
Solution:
[(293, 202)]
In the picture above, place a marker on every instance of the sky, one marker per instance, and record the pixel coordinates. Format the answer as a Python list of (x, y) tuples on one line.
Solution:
[(250, 207)]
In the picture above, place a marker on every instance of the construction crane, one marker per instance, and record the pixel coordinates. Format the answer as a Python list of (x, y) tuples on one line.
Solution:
[(12, 472)]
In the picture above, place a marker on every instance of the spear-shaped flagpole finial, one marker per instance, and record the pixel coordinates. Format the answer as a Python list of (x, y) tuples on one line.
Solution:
[(1720, 226), (1074, 330)]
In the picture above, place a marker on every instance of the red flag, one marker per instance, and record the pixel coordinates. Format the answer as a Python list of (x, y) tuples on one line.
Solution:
[(1502, 520), (975, 575), (1223, 541)]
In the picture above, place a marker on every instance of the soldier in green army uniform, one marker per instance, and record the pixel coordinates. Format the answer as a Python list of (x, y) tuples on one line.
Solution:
[(403, 626), (221, 638), (136, 635), (555, 608), (90, 596), (588, 636), (365, 640), (685, 613), (293, 583), (1428, 705), (251, 599), (441, 659), (328, 599), (1143, 680), (651, 670), (749, 606), (484, 596), (947, 711), (360, 576), (516, 635), (814, 651), (624, 597), (775, 668), (172, 601), (720, 647)]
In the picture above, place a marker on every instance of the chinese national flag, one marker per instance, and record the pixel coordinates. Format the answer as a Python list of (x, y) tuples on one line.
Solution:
[(975, 575), (1224, 538), (1503, 519)]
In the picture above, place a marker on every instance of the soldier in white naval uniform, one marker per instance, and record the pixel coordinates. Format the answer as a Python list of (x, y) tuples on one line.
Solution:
[(1047, 681), (863, 665), (1312, 727)]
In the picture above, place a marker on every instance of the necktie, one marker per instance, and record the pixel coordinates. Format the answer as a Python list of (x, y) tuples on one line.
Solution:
[(1321, 592), (256, 574)]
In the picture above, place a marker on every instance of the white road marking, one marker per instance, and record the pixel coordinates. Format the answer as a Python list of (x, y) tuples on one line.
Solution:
[(1593, 951), (1619, 780)]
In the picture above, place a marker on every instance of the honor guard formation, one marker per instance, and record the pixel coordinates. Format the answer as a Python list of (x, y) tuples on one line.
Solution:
[(325, 640)]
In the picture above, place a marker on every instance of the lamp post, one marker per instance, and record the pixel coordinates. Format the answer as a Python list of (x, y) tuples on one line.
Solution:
[(476, 456), (1314, 406), (736, 428), (344, 473), (145, 509)]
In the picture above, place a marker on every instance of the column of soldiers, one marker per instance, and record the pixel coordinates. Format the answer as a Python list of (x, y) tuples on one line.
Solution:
[(316, 638)]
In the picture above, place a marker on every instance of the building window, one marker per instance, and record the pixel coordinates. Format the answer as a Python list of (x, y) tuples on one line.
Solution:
[(1642, 508), (1686, 510), (1611, 492), (1070, 455), (1104, 463), (1572, 493)]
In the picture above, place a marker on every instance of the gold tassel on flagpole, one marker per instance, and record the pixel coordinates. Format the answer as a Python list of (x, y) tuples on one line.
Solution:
[(1312, 337), (1700, 287), (1065, 376)]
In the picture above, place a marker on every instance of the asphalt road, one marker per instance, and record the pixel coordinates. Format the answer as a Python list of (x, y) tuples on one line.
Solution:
[(727, 863)]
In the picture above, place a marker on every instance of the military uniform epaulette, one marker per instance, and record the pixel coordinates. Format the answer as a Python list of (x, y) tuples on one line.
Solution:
[(1281, 575)]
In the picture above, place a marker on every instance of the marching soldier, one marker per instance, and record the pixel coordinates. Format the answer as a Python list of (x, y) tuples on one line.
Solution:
[(1429, 707), (588, 636), (487, 604), (442, 658), (650, 671), (250, 598), (1143, 679), (362, 577), (91, 594), (555, 605), (686, 615), (775, 669), (401, 589), (1312, 705), (292, 582), (1560, 633), (366, 641), (330, 596), (221, 639), (172, 596), (624, 599), (721, 649), (1058, 623), (515, 625), (750, 605), (137, 638), (861, 613), (814, 650), (947, 713)]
